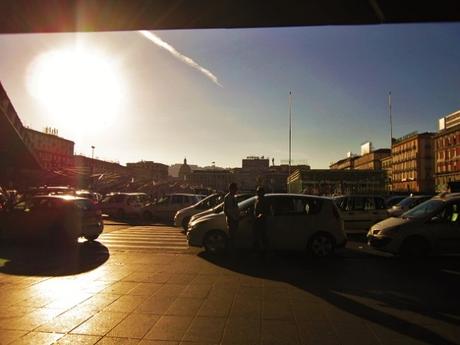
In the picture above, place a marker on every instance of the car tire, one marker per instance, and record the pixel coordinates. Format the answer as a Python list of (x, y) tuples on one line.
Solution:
[(321, 245), (185, 223), (215, 242), (414, 247), (91, 237)]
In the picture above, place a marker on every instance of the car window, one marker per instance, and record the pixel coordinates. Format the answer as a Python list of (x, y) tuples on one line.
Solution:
[(424, 209), (358, 204), (84, 205), (450, 213), (280, 206), (369, 204), (117, 198)]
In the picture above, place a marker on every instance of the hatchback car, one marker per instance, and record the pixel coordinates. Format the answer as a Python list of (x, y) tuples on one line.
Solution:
[(431, 227), (406, 204), (220, 207), (122, 205), (166, 208), (295, 222), (60, 218), (183, 216), (360, 212)]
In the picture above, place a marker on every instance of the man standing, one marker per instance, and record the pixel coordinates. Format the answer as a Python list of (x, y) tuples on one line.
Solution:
[(232, 213), (260, 222)]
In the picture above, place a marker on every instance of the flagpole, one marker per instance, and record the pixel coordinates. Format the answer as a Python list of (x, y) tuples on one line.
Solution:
[(290, 135), (391, 119)]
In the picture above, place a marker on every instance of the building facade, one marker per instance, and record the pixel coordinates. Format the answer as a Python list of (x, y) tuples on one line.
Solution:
[(149, 170), (344, 164), (413, 163), (53, 151), (337, 182), (387, 166), (255, 162), (447, 157), (371, 160)]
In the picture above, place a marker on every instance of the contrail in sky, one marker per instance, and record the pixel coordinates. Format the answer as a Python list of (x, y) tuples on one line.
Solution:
[(159, 42)]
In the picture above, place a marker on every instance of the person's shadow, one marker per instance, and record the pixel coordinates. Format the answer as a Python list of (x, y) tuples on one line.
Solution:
[(427, 287), (39, 259)]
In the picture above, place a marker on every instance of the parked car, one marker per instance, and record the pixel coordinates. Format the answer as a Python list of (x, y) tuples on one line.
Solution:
[(431, 227), (183, 216), (393, 200), (93, 196), (122, 205), (61, 218), (407, 203), (360, 212), (166, 208), (296, 222), (220, 207)]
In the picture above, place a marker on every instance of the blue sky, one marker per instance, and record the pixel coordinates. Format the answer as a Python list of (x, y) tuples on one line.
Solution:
[(340, 77)]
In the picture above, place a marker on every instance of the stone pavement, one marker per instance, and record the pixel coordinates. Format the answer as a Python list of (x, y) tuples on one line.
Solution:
[(93, 296)]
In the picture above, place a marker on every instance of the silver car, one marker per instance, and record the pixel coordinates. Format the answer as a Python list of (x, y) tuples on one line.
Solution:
[(431, 227), (295, 222)]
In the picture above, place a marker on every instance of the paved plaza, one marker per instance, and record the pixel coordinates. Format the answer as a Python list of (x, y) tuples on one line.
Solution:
[(97, 295)]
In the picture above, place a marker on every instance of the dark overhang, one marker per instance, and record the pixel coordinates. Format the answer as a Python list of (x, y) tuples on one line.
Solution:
[(24, 16)]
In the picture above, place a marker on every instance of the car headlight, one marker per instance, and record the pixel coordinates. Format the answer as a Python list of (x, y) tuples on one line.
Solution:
[(375, 232)]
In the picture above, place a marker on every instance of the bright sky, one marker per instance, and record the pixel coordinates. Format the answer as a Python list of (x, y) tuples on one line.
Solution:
[(221, 95)]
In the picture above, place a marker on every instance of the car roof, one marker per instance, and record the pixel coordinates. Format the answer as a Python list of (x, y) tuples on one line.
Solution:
[(299, 195), (447, 196), (61, 197)]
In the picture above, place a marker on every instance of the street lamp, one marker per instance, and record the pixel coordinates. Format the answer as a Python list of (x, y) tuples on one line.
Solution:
[(92, 163)]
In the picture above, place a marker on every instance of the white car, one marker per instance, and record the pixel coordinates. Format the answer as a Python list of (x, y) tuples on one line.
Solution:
[(360, 212), (123, 205), (431, 227), (296, 222), (166, 208), (183, 216), (220, 207)]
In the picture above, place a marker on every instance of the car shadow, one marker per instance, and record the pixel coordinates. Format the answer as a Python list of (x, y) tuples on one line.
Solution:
[(397, 295), (51, 260)]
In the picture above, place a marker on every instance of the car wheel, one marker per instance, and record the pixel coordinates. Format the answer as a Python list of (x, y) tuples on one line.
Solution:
[(185, 223), (321, 245), (215, 242), (414, 247), (91, 237)]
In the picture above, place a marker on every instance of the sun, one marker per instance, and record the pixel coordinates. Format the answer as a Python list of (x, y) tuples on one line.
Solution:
[(80, 90)]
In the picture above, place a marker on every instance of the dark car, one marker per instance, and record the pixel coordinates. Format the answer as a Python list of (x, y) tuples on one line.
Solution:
[(60, 218), (407, 204)]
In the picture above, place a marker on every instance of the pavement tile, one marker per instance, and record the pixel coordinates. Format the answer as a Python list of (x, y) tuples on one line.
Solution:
[(205, 330), (246, 307), (66, 321), (158, 342), (78, 339), (125, 303), (8, 336), (184, 306), (68, 301), (98, 302), (181, 278), (217, 307), (119, 288), (16, 311), (309, 311), (315, 332), (277, 310), (31, 320), (38, 338), (196, 291), (100, 324), (170, 290), (135, 325), (156, 305), (277, 332), (169, 328), (145, 289), (241, 331), (117, 341)]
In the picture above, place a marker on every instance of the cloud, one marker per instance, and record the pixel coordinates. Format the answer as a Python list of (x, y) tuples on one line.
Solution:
[(162, 44)]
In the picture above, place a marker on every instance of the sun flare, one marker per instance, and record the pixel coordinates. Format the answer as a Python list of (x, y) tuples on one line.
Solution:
[(80, 90)]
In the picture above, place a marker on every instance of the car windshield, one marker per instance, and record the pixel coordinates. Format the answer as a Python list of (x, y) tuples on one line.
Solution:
[(246, 203), (424, 209), (407, 202)]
